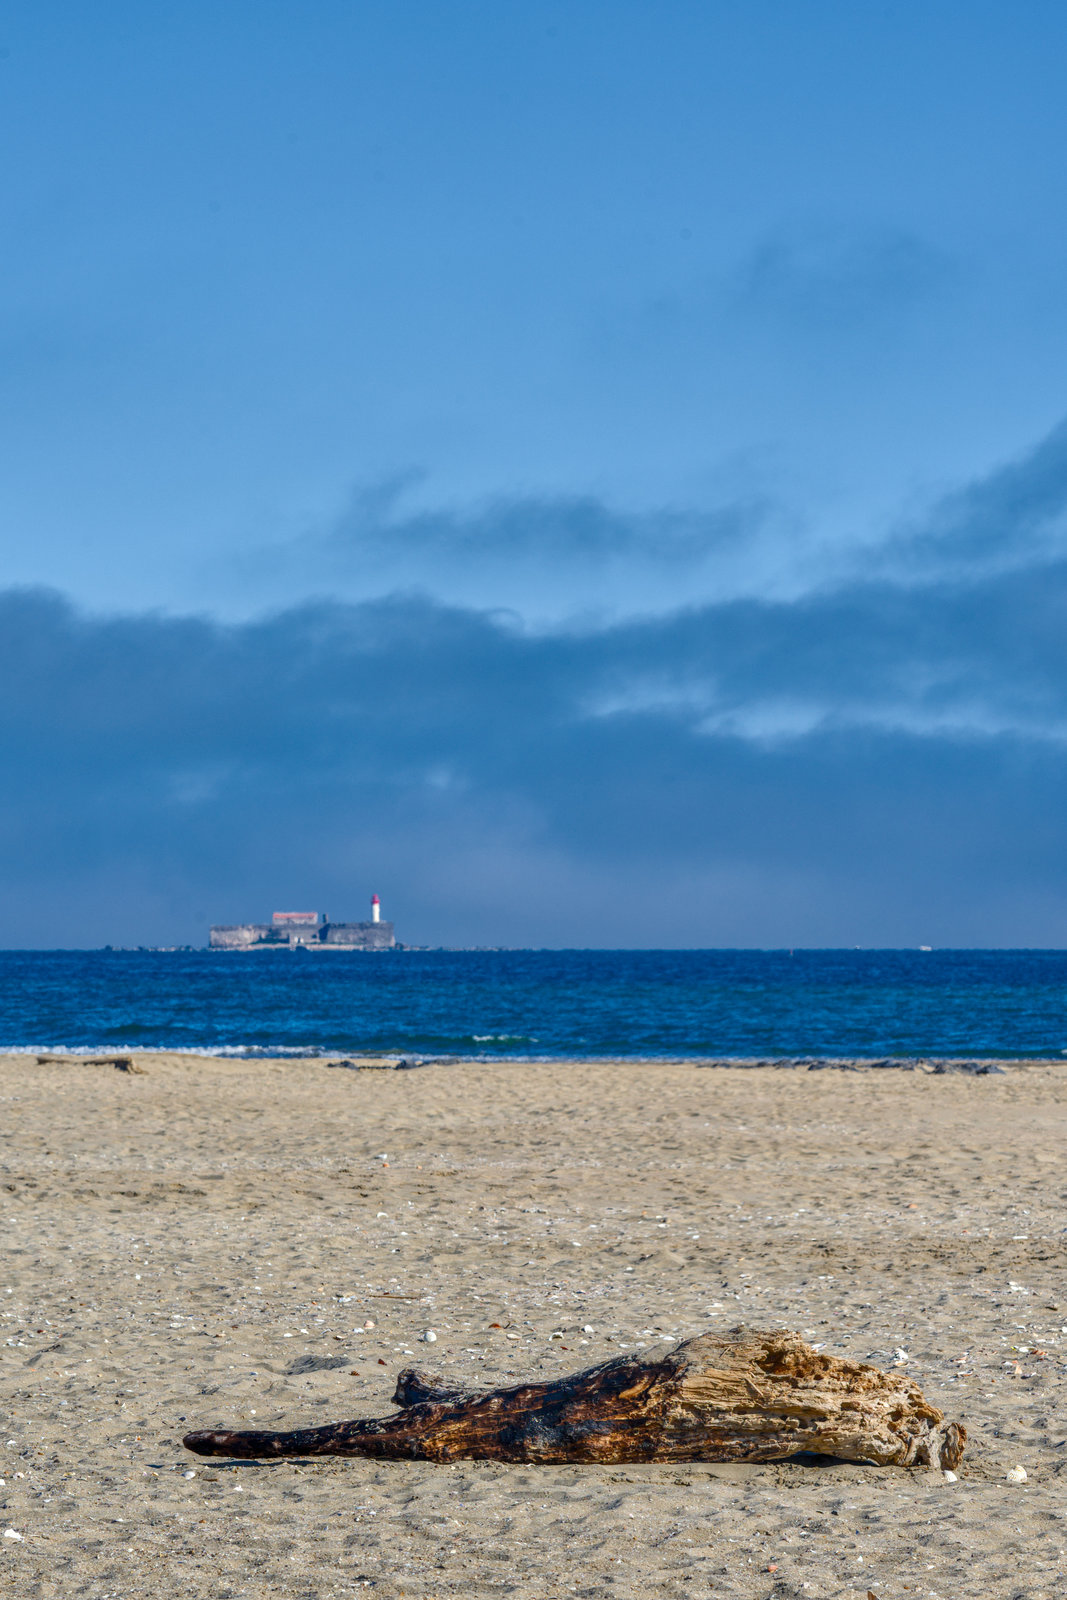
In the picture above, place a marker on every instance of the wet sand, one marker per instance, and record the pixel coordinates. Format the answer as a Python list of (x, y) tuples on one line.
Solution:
[(185, 1244)]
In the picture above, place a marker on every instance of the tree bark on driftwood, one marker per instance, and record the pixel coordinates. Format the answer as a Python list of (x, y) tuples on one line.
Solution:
[(741, 1396)]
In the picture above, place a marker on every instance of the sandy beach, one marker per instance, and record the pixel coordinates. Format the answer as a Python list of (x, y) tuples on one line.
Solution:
[(203, 1242)]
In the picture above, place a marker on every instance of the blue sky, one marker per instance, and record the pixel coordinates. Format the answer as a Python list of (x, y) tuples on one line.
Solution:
[(519, 455)]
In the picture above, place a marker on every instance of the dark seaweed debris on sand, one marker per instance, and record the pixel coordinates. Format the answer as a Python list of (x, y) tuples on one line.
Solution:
[(975, 1069)]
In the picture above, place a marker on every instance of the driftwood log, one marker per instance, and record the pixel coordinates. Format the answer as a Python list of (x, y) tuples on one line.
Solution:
[(740, 1396)]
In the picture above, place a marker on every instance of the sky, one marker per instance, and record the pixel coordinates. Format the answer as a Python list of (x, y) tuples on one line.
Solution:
[(594, 474)]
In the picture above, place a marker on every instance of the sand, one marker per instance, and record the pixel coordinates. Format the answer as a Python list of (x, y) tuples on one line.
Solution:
[(180, 1241)]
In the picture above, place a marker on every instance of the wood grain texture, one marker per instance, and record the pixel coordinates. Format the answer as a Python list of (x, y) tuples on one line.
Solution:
[(739, 1396)]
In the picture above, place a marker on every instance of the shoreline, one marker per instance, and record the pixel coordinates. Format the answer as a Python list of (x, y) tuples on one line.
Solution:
[(925, 1061), (811, 1061)]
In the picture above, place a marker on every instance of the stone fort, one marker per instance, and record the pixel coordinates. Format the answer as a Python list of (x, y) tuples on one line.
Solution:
[(308, 930)]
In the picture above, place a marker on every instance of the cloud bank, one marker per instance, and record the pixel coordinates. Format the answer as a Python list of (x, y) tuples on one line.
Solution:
[(880, 761)]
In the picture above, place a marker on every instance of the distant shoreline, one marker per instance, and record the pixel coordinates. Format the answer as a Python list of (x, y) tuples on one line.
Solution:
[(402, 948)]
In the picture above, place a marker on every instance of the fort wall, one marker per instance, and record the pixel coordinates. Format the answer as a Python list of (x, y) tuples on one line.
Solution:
[(328, 935), (359, 935), (239, 935)]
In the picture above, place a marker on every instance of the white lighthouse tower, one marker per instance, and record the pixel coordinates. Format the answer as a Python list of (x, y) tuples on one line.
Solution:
[(375, 908)]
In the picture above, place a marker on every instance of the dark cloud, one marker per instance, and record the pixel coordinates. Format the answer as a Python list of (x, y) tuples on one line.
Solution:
[(549, 557), (552, 560), (573, 528), (1011, 517), (872, 765)]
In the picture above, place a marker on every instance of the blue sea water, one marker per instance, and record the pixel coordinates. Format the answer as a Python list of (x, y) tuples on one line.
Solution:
[(541, 1003)]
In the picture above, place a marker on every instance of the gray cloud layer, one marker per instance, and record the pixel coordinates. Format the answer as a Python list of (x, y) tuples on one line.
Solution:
[(875, 764)]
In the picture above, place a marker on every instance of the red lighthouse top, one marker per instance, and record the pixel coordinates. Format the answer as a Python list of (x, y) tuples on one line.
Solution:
[(374, 900)]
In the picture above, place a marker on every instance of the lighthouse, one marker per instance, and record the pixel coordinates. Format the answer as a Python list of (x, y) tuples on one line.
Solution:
[(375, 908)]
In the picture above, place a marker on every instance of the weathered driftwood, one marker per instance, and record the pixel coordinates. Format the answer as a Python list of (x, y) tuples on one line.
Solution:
[(740, 1396), (123, 1063)]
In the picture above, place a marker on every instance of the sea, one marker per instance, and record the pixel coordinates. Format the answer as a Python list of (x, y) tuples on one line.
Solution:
[(541, 1004)]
